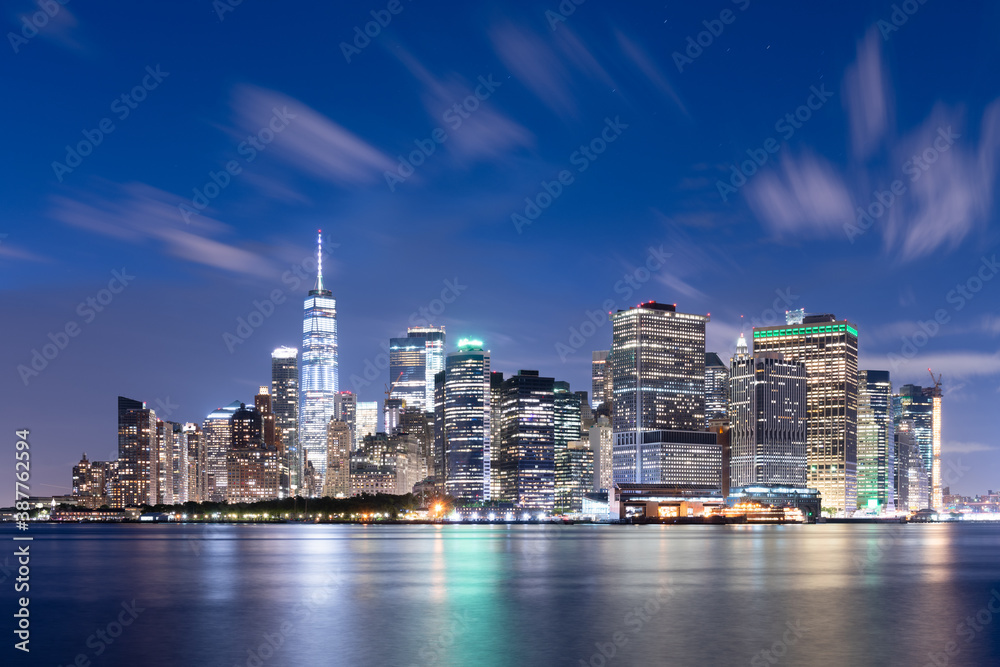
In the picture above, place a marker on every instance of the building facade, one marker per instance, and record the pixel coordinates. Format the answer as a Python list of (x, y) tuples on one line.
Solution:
[(876, 442), (285, 405), (339, 443), (413, 362), (320, 370), (526, 451), (217, 439), (829, 349), (767, 420), (136, 481), (574, 475), (716, 387)]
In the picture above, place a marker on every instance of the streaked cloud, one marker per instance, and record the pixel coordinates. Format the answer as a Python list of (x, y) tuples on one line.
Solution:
[(867, 97)]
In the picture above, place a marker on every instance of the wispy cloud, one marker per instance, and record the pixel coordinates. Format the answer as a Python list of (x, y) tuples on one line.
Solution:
[(139, 213), (634, 52), (805, 196), (867, 97), (311, 142), (535, 64), (953, 447)]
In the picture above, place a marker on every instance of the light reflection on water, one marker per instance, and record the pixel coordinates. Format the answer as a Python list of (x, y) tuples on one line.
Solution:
[(514, 595)]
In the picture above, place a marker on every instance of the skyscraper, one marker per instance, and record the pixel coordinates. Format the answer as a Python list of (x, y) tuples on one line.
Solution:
[(217, 440), (567, 411), (272, 436), (319, 383), (922, 407), (347, 412), (413, 361), (767, 413), (285, 405), (137, 477), (574, 475), (462, 421), (876, 442), (197, 474), (526, 457), (601, 442), (338, 462), (599, 359), (365, 421), (251, 464), (829, 349), (658, 368), (716, 387), (658, 377), (496, 436)]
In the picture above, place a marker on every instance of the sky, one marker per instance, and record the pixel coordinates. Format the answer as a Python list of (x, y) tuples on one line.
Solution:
[(510, 170)]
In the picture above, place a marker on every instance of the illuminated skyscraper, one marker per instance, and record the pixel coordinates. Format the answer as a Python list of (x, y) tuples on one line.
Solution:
[(365, 421), (574, 475), (829, 349), (137, 477), (767, 413), (658, 377), (922, 407), (413, 361), (338, 462), (526, 457), (599, 359), (217, 440), (462, 421), (252, 472), (285, 405), (319, 383), (601, 441), (716, 387), (658, 369), (876, 442), (347, 412)]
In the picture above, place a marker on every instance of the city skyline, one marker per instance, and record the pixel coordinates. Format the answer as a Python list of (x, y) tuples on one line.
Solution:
[(196, 302)]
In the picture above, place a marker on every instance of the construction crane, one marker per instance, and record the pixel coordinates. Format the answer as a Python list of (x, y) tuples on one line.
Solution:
[(937, 382), (390, 387)]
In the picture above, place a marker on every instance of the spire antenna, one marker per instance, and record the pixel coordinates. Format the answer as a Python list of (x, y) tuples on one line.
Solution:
[(319, 261)]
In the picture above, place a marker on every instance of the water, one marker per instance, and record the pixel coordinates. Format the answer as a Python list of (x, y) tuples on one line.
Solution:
[(512, 595)]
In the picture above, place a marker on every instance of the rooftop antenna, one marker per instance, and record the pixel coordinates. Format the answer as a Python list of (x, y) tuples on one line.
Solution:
[(319, 261)]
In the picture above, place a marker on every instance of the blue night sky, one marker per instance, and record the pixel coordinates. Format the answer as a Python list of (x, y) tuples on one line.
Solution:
[(643, 140)]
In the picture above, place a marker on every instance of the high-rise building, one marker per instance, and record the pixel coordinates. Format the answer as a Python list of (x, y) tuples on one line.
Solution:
[(462, 421), (264, 403), (347, 412), (526, 458), (912, 492), (829, 349), (90, 483), (339, 443), (767, 417), (392, 413), (658, 377), (285, 405), (365, 421), (417, 428), (601, 442), (922, 406), (716, 387), (252, 471), (137, 479), (876, 442), (197, 473), (217, 440), (574, 475), (173, 464), (413, 361), (496, 426), (658, 369), (567, 413), (320, 382), (599, 359)]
